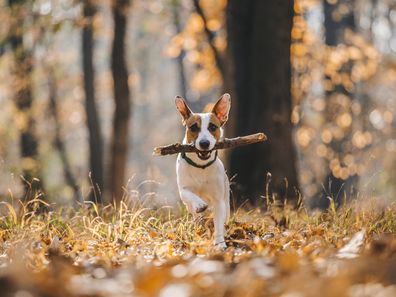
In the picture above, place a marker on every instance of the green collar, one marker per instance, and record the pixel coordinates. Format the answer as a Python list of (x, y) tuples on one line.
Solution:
[(192, 163)]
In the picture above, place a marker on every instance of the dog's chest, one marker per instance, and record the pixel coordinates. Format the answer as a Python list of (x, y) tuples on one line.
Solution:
[(199, 177), (200, 180)]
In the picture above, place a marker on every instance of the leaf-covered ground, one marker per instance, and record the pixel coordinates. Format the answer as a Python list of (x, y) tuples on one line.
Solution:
[(103, 251)]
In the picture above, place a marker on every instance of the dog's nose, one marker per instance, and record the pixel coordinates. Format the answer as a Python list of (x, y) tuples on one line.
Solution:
[(204, 144)]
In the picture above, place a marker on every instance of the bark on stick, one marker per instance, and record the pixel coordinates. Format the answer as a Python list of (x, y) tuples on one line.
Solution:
[(224, 144)]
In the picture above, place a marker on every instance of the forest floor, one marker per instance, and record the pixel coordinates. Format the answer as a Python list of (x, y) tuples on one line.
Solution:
[(103, 251)]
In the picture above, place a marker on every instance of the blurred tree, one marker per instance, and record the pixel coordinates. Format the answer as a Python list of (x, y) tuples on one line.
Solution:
[(212, 28), (339, 18), (119, 141), (333, 80), (211, 38), (24, 99), (175, 7), (259, 39), (58, 141), (94, 130)]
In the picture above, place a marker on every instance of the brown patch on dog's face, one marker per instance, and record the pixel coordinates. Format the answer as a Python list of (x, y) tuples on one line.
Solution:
[(193, 125), (214, 127)]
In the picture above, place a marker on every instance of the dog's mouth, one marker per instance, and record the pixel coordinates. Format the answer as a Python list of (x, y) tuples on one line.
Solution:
[(204, 155)]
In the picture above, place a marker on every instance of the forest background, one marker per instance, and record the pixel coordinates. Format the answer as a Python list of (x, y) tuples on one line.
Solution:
[(87, 88)]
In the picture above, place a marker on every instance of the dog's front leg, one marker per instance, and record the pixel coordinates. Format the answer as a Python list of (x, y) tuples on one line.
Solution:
[(220, 214), (193, 203)]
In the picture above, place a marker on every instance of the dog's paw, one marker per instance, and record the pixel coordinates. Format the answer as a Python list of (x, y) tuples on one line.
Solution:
[(201, 207), (220, 246)]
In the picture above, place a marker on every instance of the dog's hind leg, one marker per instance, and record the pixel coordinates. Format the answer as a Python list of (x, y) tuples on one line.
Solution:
[(193, 203), (227, 198), (220, 215)]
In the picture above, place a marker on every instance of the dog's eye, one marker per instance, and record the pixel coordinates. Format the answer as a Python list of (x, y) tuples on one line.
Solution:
[(212, 127), (194, 128)]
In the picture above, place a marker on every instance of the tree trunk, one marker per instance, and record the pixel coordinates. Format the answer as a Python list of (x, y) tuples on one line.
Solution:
[(58, 141), (211, 38), (175, 4), (335, 27), (119, 141), (259, 39), (24, 101), (92, 118)]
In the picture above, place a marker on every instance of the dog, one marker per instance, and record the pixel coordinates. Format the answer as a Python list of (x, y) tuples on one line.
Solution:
[(201, 177)]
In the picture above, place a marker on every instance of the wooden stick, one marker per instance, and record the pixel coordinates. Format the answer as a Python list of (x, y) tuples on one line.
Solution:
[(226, 143)]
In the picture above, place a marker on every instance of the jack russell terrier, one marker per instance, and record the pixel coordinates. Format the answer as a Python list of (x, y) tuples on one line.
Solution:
[(201, 177)]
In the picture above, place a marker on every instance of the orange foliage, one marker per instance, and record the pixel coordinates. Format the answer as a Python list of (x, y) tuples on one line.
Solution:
[(194, 41)]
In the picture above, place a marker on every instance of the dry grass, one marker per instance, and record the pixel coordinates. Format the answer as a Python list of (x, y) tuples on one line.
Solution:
[(104, 251)]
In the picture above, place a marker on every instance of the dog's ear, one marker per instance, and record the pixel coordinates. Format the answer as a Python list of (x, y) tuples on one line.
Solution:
[(184, 110), (222, 108)]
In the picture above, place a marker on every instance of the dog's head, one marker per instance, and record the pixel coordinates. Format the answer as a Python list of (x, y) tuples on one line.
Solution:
[(204, 129)]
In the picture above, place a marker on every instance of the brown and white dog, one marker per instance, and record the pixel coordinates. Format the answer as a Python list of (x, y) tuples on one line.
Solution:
[(201, 177)]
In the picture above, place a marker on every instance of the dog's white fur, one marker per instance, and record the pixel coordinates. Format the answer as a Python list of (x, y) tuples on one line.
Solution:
[(200, 188)]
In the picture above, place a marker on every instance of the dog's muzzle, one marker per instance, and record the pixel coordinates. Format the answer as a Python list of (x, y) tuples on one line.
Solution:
[(204, 155)]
